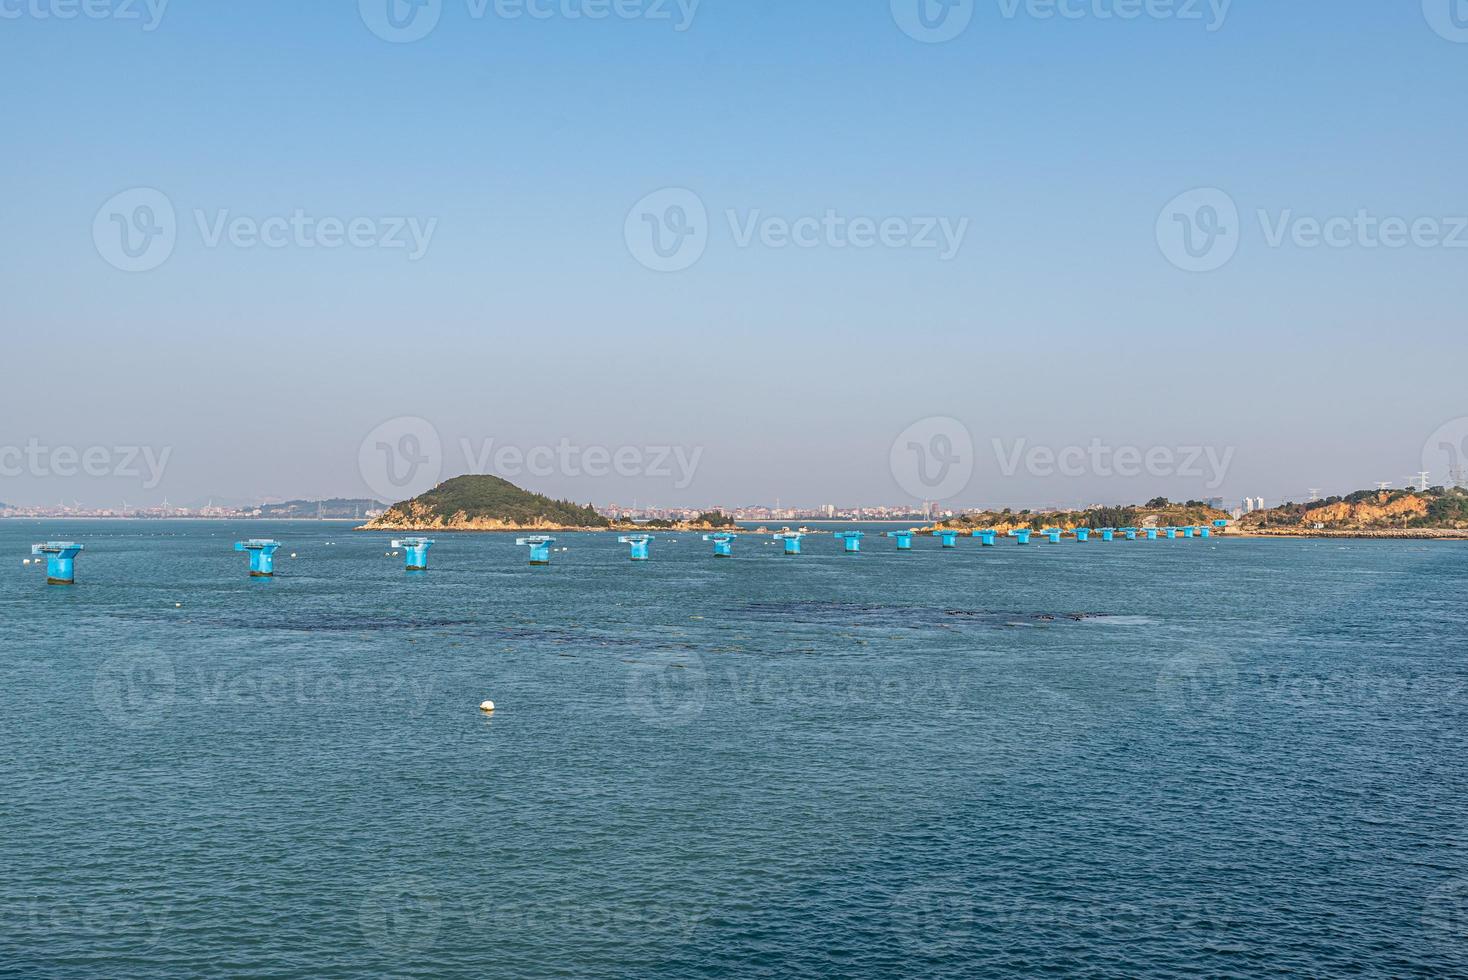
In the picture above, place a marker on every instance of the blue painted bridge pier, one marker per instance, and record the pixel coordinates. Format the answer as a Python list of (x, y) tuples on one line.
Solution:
[(415, 553), (723, 544), (60, 561), (262, 556), (986, 537), (640, 545), (904, 539), (949, 539), (792, 541), (851, 540), (539, 545)]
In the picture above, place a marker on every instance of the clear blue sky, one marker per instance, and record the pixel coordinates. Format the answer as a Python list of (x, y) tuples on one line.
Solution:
[(529, 321)]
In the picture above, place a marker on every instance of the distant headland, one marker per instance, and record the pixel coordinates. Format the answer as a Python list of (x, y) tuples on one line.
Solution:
[(1439, 512)]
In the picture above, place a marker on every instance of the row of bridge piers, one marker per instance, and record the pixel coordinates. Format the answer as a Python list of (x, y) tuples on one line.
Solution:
[(61, 556)]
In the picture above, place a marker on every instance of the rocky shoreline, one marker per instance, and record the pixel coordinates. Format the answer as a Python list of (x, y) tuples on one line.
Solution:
[(1420, 534)]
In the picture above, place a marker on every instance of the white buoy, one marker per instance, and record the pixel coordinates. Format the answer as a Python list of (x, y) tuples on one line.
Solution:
[(178, 605), (487, 707), (293, 554)]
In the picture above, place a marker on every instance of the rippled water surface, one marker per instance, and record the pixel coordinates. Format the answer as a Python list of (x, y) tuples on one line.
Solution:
[(1139, 759)]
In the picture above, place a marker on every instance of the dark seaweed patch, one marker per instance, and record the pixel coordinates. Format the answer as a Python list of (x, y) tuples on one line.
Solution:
[(901, 617)]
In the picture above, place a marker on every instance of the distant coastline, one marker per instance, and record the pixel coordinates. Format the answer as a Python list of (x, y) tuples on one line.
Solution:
[(747, 528), (193, 519), (486, 504)]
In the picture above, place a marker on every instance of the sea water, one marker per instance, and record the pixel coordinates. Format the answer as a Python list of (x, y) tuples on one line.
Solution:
[(1135, 758)]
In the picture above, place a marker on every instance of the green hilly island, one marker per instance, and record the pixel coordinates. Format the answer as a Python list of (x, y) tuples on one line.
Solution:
[(485, 503)]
